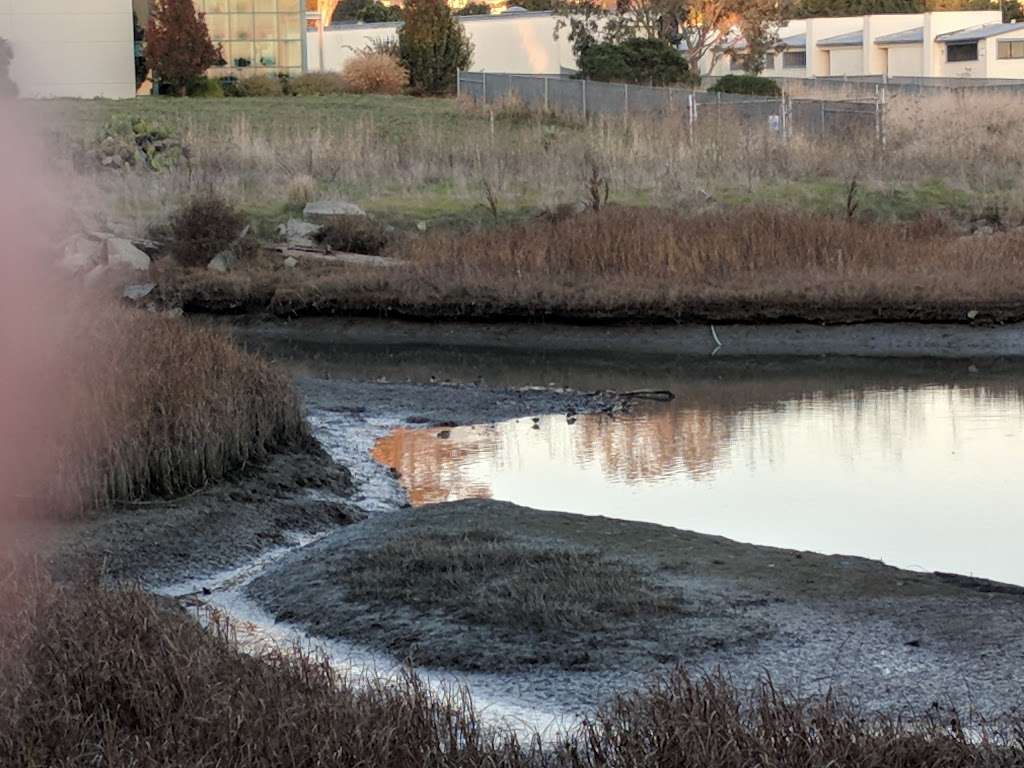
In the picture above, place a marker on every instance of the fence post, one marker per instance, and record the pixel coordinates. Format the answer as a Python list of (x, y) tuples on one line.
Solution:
[(625, 96), (691, 113), (880, 109), (485, 88), (458, 83), (547, 102), (821, 105), (584, 99)]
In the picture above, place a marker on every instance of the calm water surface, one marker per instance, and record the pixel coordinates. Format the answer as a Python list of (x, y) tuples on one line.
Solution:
[(917, 463)]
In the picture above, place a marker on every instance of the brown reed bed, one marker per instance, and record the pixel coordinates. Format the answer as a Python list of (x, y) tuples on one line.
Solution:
[(155, 406), (120, 678), (653, 264)]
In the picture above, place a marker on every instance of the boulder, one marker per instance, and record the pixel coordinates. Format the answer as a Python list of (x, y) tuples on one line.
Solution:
[(96, 275), (121, 253), (222, 262), (137, 291), (299, 233), (81, 254), (291, 262), (326, 209)]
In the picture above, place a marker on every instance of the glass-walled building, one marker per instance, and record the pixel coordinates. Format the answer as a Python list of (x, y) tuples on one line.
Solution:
[(257, 37)]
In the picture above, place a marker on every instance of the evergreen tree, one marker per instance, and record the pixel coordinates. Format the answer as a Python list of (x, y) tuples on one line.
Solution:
[(433, 46)]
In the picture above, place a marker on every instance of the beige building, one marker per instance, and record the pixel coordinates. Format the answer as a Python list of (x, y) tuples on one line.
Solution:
[(515, 42), (70, 48), (974, 44)]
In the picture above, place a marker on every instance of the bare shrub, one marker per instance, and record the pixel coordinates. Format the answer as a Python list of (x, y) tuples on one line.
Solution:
[(353, 234), (316, 84), (258, 85), (202, 228), (374, 73), (301, 189)]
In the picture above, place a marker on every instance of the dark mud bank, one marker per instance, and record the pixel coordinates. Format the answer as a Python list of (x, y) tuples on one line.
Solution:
[(867, 339)]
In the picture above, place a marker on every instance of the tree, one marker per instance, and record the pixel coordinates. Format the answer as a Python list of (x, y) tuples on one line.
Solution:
[(374, 12), (433, 46), (697, 26), (8, 89), (639, 60), (141, 68), (178, 45), (475, 9)]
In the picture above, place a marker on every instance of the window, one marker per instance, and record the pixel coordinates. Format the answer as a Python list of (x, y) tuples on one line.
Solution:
[(735, 63), (769, 61), (1010, 49), (962, 51), (794, 59), (217, 23), (266, 26)]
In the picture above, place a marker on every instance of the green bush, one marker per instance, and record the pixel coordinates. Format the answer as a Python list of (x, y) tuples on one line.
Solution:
[(376, 12), (750, 85), (205, 88), (433, 46), (475, 9), (204, 227), (639, 60), (353, 234)]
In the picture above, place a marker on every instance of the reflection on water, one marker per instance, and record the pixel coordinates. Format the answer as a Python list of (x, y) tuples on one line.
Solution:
[(924, 475)]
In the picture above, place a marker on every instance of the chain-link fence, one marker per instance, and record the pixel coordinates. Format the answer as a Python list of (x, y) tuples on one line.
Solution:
[(588, 98)]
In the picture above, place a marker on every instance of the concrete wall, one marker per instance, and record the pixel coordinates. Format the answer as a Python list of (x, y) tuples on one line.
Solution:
[(818, 30), (876, 58), (521, 43), (933, 62), (71, 48), (846, 60), (905, 60)]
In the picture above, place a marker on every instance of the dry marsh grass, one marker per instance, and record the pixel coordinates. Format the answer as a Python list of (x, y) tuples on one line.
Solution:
[(120, 678), (159, 408), (655, 264)]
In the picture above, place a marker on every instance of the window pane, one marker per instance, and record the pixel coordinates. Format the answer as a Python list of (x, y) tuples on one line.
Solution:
[(241, 26), (218, 25), (266, 26), (241, 6), (289, 6), (962, 52), (769, 61), (290, 26), (291, 54), (268, 6), (241, 55), (216, 6), (266, 54)]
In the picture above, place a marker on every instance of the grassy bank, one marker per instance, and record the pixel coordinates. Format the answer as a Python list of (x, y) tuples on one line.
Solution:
[(119, 678), (407, 159), (156, 407), (626, 263)]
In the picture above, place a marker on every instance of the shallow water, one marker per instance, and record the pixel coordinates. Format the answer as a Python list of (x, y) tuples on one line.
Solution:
[(914, 462)]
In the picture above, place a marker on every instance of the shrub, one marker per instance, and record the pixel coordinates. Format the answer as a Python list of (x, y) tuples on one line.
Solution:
[(133, 142), (202, 228), (178, 45), (751, 85), (316, 84), (639, 60), (376, 12), (8, 90), (353, 234), (205, 88), (433, 46), (301, 189), (258, 85), (475, 9), (374, 73)]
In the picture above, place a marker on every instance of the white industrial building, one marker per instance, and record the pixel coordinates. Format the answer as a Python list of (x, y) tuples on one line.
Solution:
[(958, 44), (72, 48)]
